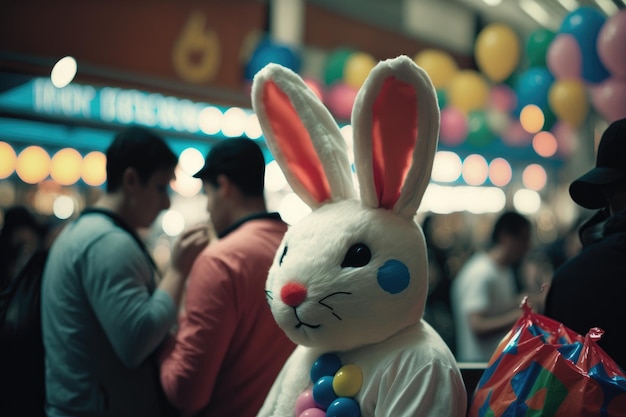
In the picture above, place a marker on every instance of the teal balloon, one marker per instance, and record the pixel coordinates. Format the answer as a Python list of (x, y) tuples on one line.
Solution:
[(335, 65), (442, 100), (478, 132), (537, 46)]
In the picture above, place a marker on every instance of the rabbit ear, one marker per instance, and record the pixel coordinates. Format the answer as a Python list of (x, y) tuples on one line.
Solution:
[(395, 121), (302, 135)]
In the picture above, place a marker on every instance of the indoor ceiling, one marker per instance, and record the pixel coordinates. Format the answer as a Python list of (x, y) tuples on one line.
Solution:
[(424, 19)]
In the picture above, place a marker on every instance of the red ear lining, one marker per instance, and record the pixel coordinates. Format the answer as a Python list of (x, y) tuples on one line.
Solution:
[(294, 142), (394, 137)]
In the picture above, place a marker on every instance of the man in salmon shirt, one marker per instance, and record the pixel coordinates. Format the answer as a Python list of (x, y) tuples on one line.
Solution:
[(228, 349)]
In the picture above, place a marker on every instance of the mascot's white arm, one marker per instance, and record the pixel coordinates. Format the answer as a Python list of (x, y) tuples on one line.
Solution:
[(350, 280)]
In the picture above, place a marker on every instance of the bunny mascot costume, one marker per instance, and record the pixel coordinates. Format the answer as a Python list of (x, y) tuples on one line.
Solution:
[(349, 281)]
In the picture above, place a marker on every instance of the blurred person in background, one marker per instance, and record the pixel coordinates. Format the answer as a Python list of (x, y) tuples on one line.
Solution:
[(228, 349), (588, 290), (104, 309), (20, 236), (485, 297)]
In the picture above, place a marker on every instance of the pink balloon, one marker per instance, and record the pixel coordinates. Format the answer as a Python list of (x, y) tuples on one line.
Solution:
[(515, 135), (566, 139), (611, 44), (304, 402), (340, 99), (313, 412), (503, 98), (609, 98), (564, 57), (453, 128)]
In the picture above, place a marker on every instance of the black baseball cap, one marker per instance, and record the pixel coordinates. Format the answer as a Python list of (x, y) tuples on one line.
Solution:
[(587, 190), (241, 160)]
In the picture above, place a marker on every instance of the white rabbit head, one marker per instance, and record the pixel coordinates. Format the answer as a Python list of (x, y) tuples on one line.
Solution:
[(353, 272)]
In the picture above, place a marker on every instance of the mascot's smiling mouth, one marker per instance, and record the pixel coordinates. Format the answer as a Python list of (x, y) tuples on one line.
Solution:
[(301, 323)]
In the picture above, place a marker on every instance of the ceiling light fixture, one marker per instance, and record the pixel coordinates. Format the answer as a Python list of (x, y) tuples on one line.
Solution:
[(537, 12)]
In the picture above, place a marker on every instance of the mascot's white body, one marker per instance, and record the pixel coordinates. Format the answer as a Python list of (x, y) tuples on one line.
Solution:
[(349, 282)]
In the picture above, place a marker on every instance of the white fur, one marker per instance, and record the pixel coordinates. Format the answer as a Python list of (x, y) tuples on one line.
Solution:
[(346, 310)]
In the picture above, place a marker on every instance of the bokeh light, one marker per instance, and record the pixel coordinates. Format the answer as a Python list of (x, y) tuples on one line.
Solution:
[(545, 144), (500, 172), (63, 72), (94, 168), (33, 164), (8, 158), (185, 184), (526, 201), (210, 120), (191, 161), (475, 170), (252, 128), (66, 166), (274, 178), (292, 208), (532, 118), (173, 223), (446, 167), (234, 122), (534, 177), (63, 207)]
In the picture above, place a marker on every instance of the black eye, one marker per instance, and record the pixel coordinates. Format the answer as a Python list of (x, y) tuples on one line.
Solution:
[(357, 255), (280, 261)]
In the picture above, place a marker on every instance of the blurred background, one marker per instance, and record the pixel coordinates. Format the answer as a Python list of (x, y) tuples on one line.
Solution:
[(525, 89)]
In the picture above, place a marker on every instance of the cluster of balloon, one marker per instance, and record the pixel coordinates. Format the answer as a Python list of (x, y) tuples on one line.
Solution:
[(587, 57), (334, 389)]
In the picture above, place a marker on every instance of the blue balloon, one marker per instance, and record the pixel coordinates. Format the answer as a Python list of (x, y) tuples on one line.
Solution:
[(323, 393), (268, 52), (533, 87), (326, 365), (584, 25), (343, 407)]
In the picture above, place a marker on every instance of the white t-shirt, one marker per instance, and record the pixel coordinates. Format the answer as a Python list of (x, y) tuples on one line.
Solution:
[(480, 286)]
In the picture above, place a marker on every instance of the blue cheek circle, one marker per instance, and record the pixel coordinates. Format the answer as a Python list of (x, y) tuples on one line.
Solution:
[(394, 277)]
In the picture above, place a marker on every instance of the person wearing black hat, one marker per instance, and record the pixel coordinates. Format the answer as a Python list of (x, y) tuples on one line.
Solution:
[(588, 290), (228, 350)]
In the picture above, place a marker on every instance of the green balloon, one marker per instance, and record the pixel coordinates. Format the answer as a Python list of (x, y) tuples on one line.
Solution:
[(441, 99), (335, 65), (478, 132), (537, 46)]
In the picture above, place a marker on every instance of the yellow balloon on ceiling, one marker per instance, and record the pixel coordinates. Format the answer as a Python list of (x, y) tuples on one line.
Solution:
[(438, 64), (497, 51), (358, 67), (569, 102), (467, 91)]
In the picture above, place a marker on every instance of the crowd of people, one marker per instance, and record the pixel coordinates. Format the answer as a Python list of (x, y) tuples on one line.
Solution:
[(123, 338)]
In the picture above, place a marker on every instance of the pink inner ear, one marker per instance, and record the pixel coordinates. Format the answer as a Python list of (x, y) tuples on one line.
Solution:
[(394, 136), (295, 143)]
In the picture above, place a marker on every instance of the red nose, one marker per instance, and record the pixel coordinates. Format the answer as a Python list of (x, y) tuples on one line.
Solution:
[(293, 294)]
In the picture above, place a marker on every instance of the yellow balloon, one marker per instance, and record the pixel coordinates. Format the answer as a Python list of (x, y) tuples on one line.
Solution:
[(467, 91), (439, 66), (497, 51), (358, 67), (348, 381), (568, 100)]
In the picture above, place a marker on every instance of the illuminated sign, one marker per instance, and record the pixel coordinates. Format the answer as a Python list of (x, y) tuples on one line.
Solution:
[(120, 106)]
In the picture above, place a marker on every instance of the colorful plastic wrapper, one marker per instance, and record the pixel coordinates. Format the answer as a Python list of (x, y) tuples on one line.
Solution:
[(542, 368)]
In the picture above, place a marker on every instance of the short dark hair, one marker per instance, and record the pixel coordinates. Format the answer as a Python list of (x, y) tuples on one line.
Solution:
[(139, 148), (509, 223), (241, 161)]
